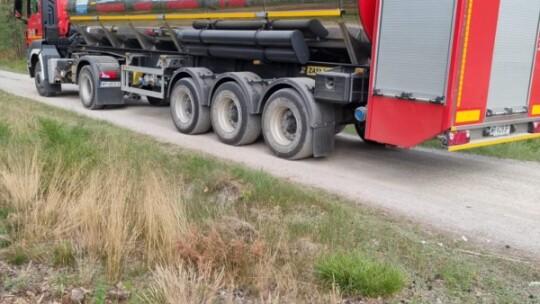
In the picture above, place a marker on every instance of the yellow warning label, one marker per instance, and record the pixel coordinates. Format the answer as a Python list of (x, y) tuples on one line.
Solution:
[(312, 70)]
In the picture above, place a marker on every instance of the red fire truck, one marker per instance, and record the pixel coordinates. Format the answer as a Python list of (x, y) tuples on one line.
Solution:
[(297, 72)]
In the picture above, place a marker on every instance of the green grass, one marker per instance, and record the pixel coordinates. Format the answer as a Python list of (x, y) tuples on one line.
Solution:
[(285, 215), (17, 257), (13, 65), (355, 274), (63, 255)]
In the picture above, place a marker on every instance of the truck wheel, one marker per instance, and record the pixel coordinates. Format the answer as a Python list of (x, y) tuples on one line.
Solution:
[(231, 120), (285, 125), (361, 131), (158, 102), (87, 88), (188, 114), (43, 87)]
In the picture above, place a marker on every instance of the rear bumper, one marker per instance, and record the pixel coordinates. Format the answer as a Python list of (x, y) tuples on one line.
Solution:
[(522, 129), (493, 141)]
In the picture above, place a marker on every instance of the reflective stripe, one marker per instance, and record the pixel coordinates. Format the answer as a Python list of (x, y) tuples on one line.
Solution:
[(468, 116), (464, 56), (535, 110), (486, 143), (239, 15)]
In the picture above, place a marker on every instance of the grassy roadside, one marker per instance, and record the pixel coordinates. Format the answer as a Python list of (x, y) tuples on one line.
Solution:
[(525, 150), (12, 65), (94, 211)]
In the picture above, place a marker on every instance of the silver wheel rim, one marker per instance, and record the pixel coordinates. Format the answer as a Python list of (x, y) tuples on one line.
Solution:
[(183, 105), (86, 89), (228, 111), (283, 125), (38, 78)]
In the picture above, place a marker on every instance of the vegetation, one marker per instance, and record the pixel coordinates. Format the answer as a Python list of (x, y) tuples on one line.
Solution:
[(12, 40), (88, 209), (354, 274)]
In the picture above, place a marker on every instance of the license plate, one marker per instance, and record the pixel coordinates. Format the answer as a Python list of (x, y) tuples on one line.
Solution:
[(109, 84), (499, 131)]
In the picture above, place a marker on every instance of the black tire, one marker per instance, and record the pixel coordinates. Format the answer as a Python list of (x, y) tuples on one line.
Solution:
[(44, 88), (361, 131), (285, 125), (231, 120), (157, 102), (188, 113), (88, 88)]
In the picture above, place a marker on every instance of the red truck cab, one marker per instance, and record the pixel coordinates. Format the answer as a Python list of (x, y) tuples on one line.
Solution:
[(43, 18)]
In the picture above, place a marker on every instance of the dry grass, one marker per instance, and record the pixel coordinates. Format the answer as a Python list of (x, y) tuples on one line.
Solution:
[(183, 284), (107, 213)]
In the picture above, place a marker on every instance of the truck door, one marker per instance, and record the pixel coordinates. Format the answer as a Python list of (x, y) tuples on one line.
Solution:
[(513, 58)]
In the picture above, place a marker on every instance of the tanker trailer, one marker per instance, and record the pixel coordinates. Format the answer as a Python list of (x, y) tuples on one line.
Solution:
[(297, 72)]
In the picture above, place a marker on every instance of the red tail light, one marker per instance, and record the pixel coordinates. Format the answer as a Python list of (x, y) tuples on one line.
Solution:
[(458, 138), (535, 127), (108, 75)]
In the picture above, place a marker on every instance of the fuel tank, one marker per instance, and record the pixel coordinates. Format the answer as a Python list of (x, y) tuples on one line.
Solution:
[(355, 13)]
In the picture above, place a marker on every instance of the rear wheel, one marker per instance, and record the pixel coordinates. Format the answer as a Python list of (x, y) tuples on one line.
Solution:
[(158, 102), (87, 88), (231, 120), (188, 114), (285, 125), (43, 87)]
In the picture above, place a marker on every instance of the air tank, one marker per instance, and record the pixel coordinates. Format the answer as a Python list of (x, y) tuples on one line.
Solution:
[(354, 13)]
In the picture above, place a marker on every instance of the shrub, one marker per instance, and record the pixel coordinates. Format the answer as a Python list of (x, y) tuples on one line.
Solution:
[(356, 275)]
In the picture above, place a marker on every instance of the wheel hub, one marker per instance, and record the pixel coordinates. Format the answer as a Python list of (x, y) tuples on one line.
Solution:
[(232, 113), (289, 125)]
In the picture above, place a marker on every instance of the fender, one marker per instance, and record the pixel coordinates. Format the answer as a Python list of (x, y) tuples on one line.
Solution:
[(98, 64), (204, 81), (252, 85), (321, 115), (104, 95), (32, 56)]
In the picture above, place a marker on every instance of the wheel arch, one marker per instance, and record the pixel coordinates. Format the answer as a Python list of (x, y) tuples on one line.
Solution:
[(321, 116), (250, 83), (202, 77), (96, 63)]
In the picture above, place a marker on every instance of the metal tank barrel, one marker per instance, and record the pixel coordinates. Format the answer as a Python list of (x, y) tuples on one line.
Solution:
[(352, 12)]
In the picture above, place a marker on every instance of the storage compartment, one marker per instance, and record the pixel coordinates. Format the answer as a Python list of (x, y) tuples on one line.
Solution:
[(341, 88)]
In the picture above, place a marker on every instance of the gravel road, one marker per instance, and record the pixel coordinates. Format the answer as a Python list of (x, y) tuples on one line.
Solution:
[(484, 199)]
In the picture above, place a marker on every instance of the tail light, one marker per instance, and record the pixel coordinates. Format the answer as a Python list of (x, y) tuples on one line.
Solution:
[(457, 138), (108, 75), (535, 127)]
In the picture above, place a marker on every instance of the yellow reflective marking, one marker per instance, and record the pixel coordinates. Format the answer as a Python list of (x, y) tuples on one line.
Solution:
[(486, 143), (237, 15), (314, 13), (82, 18), (535, 110), (211, 16), (467, 116), (464, 55)]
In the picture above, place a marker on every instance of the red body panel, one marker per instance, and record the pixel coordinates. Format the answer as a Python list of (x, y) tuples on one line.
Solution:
[(535, 90), (478, 58), (182, 4), (366, 11), (408, 123), (34, 28)]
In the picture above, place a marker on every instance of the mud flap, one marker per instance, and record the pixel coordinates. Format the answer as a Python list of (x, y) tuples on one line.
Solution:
[(323, 141)]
